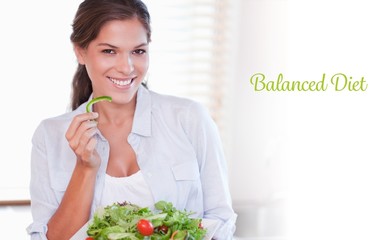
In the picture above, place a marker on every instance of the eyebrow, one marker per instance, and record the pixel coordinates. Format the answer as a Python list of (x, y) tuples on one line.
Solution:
[(115, 47)]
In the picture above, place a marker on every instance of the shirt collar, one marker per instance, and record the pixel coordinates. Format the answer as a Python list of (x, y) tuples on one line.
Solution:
[(142, 117)]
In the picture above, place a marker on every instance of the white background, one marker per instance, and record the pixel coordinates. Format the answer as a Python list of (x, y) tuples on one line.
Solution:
[(336, 138)]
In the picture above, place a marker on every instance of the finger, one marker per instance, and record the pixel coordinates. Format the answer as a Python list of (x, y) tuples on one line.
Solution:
[(80, 132), (77, 121), (83, 141)]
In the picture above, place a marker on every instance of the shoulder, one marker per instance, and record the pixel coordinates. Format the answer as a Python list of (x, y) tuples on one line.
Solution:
[(177, 104), (60, 120), (194, 117), (56, 125)]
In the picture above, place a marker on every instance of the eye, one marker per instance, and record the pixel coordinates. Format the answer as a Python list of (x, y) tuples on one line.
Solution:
[(109, 51), (139, 51)]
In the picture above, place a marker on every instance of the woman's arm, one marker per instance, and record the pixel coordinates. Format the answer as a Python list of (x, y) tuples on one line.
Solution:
[(213, 170), (74, 209), (61, 195)]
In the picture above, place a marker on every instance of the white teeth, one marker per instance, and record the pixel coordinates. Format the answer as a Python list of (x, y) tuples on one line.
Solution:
[(120, 82)]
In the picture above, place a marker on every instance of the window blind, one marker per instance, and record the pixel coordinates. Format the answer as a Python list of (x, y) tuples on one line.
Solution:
[(189, 53)]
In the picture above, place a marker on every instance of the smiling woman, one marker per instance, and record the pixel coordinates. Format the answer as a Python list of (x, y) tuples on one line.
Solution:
[(191, 36), (128, 139), (46, 59), (120, 47)]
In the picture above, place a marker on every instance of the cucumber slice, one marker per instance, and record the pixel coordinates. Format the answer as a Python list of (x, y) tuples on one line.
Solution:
[(95, 100)]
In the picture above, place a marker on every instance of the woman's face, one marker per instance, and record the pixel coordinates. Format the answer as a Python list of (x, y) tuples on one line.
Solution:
[(117, 60)]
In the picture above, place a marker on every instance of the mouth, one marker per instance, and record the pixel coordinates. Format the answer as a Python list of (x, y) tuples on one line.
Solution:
[(122, 82)]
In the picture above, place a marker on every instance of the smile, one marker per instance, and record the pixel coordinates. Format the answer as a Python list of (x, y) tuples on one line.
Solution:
[(121, 82)]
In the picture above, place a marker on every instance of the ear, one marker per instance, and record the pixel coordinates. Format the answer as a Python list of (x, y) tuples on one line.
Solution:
[(80, 54)]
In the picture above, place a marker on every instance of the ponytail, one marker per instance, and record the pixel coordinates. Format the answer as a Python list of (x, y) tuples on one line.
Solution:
[(81, 87)]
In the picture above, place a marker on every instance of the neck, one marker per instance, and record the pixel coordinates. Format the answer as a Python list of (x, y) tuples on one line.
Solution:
[(115, 114)]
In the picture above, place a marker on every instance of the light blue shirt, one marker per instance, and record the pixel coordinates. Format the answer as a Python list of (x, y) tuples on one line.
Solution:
[(178, 150)]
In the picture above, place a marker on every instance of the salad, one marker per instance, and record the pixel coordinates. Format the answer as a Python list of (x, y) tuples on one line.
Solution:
[(127, 221)]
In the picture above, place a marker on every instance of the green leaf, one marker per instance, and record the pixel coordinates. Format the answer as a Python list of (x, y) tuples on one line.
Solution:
[(116, 236)]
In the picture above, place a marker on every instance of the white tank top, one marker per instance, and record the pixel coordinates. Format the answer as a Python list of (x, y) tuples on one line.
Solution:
[(132, 189)]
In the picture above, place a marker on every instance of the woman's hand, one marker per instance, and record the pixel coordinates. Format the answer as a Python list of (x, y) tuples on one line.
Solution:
[(80, 136)]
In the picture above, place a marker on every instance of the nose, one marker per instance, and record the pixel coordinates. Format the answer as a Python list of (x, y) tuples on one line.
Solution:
[(125, 64)]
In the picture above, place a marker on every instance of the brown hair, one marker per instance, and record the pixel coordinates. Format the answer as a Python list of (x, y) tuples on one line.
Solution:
[(89, 19)]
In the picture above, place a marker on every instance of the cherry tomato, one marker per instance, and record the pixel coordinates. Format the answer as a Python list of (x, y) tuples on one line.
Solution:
[(89, 238), (145, 227), (200, 225), (163, 229)]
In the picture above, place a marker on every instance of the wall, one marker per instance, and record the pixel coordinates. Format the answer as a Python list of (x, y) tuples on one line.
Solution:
[(258, 173), (14, 221)]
